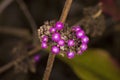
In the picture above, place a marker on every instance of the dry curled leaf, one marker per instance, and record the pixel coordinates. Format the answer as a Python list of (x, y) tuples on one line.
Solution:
[(93, 21)]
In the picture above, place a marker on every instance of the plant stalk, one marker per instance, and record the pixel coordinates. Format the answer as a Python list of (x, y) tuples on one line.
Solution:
[(51, 57)]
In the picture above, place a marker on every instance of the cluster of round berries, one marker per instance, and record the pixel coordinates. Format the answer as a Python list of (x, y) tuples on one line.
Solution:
[(76, 43)]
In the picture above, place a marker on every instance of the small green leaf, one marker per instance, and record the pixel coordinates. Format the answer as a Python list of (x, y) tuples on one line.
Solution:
[(94, 65)]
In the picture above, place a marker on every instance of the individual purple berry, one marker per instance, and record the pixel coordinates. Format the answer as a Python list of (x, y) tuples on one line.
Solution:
[(80, 34), (59, 25), (52, 30), (76, 28), (73, 28), (44, 38), (83, 47), (44, 45), (56, 37), (36, 58), (55, 50), (70, 43), (79, 52), (85, 39), (61, 42), (70, 55)]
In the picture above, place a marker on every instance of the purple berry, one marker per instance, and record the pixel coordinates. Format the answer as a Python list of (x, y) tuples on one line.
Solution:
[(36, 58), (56, 37), (55, 50), (73, 28), (45, 38), (70, 55), (83, 47), (80, 34), (76, 28), (70, 43), (79, 52), (61, 42), (85, 39), (52, 30), (59, 25), (43, 45)]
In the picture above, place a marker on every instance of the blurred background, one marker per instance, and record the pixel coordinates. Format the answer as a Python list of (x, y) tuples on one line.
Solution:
[(19, 21)]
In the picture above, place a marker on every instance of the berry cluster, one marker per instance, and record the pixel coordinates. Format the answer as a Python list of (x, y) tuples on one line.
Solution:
[(65, 40)]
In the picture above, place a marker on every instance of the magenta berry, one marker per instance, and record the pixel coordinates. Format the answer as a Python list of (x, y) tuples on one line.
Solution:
[(76, 28), (55, 50), (45, 38), (80, 34), (70, 43), (79, 52), (83, 47), (61, 42), (70, 55), (85, 39), (73, 28), (56, 37), (59, 25), (36, 58), (43, 45), (52, 30)]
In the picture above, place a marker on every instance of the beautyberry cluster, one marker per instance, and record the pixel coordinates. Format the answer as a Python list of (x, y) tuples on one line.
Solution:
[(64, 40)]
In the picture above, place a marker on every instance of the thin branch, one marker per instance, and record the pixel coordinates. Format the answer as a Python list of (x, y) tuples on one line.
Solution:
[(22, 33), (49, 66), (30, 19), (65, 10), (11, 64), (4, 4), (51, 57), (99, 12), (96, 15)]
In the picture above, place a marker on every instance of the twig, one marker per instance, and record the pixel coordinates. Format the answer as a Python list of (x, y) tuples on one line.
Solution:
[(96, 15), (9, 65), (65, 10), (30, 19), (52, 56), (99, 11), (49, 66), (4, 4), (22, 33)]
